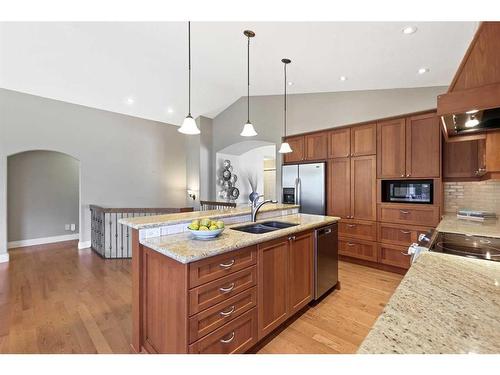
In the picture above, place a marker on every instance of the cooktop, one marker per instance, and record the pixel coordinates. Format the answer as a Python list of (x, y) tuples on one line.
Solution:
[(468, 246)]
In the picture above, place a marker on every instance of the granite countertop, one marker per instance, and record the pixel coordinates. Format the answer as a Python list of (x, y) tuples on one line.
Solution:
[(451, 224), (445, 304), (185, 249), (144, 222)]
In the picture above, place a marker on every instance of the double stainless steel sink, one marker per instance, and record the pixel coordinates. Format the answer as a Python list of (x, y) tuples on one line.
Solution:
[(265, 227)]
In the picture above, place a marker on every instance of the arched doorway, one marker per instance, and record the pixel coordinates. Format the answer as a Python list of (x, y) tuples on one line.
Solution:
[(43, 198), (254, 162)]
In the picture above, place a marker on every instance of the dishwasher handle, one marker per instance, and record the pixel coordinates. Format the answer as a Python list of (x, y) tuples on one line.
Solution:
[(324, 231)]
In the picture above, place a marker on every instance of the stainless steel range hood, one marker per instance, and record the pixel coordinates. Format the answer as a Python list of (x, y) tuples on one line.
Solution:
[(472, 121)]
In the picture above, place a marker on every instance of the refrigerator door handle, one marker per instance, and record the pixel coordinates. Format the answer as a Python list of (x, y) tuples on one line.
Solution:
[(299, 191)]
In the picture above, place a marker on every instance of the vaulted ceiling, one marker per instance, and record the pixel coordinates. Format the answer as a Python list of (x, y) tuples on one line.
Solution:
[(140, 69)]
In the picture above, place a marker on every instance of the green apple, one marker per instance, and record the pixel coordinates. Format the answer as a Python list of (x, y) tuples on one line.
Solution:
[(205, 222), (194, 226), (203, 227), (213, 227), (220, 224), (196, 222)]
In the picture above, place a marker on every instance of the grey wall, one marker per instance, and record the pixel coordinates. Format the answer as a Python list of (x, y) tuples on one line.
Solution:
[(310, 112), (125, 161), (42, 194)]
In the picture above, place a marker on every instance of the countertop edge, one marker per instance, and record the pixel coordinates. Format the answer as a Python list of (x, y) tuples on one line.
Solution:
[(253, 240)]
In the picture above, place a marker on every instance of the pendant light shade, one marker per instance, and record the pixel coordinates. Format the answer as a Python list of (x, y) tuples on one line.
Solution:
[(189, 125), (285, 147), (248, 129)]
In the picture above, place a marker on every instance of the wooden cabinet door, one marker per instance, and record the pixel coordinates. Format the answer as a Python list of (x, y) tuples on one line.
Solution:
[(423, 146), (272, 285), (339, 187), (460, 159), (339, 143), (316, 146), (364, 188), (298, 149), (391, 149), (300, 272), (492, 152), (364, 140)]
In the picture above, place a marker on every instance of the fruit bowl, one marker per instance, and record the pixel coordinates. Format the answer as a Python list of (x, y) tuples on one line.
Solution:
[(206, 234)]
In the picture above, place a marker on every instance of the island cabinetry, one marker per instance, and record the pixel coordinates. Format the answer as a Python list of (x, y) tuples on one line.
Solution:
[(222, 304), (285, 286)]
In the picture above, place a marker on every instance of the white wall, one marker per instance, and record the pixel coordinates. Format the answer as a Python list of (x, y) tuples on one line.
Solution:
[(125, 161), (250, 163)]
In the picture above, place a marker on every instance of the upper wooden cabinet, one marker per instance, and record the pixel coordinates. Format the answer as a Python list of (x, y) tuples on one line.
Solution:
[(464, 159), (493, 152), (339, 187), (352, 187), (339, 143), (409, 147), (354, 141), (364, 188), (423, 146), (364, 140), (391, 140), (297, 145), (316, 146)]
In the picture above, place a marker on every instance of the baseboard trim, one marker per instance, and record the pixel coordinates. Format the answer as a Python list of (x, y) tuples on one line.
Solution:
[(42, 241), (84, 245), (4, 258)]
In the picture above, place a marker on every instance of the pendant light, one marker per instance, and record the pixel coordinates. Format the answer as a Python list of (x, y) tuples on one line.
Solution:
[(189, 125), (248, 129), (285, 147)]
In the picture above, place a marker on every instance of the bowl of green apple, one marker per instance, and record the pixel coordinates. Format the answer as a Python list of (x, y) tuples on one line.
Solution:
[(206, 229)]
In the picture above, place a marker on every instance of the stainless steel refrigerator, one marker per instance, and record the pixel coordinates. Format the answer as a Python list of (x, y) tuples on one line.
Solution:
[(304, 184)]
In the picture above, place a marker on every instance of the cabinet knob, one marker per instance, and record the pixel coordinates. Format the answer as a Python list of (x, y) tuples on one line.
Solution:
[(402, 175), (408, 175), (291, 238)]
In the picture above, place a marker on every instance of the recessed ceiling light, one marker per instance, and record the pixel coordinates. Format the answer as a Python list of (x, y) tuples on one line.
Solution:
[(290, 83), (472, 111), (409, 30), (170, 110), (129, 100), (423, 70), (343, 78)]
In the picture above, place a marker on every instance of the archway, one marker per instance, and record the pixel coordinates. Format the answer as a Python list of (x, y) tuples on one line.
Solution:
[(43, 198), (254, 162)]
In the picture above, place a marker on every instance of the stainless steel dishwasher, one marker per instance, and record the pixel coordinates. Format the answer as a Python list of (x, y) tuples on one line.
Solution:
[(326, 260)]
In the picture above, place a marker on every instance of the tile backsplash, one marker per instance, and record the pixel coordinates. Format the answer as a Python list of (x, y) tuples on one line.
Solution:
[(476, 195)]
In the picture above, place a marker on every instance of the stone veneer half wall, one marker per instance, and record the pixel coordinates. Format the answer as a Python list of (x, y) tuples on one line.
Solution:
[(476, 195)]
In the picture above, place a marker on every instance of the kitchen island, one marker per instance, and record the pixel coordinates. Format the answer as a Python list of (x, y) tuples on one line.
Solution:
[(223, 295), (445, 304)]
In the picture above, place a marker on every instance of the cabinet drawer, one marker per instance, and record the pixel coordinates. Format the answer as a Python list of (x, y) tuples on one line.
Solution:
[(421, 215), (393, 255), (222, 265), (399, 234), (363, 230), (207, 321), (220, 290), (360, 249), (237, 336)]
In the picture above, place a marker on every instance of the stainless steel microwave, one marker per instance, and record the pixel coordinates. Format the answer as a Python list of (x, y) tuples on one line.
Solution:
[(408, 191)]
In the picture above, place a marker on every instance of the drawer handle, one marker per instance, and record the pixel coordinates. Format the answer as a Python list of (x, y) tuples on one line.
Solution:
[(350, 244), (405, 231), (405, 254), (228, 289), (227, 341), (351, 225), (227, 265), (404, 212), (291, 238), (227, 313)]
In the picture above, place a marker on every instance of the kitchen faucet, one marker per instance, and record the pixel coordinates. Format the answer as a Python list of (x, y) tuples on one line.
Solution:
[(256, 206)]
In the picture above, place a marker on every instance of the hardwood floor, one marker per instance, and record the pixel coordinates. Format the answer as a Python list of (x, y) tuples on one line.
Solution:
[(57, 299)]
